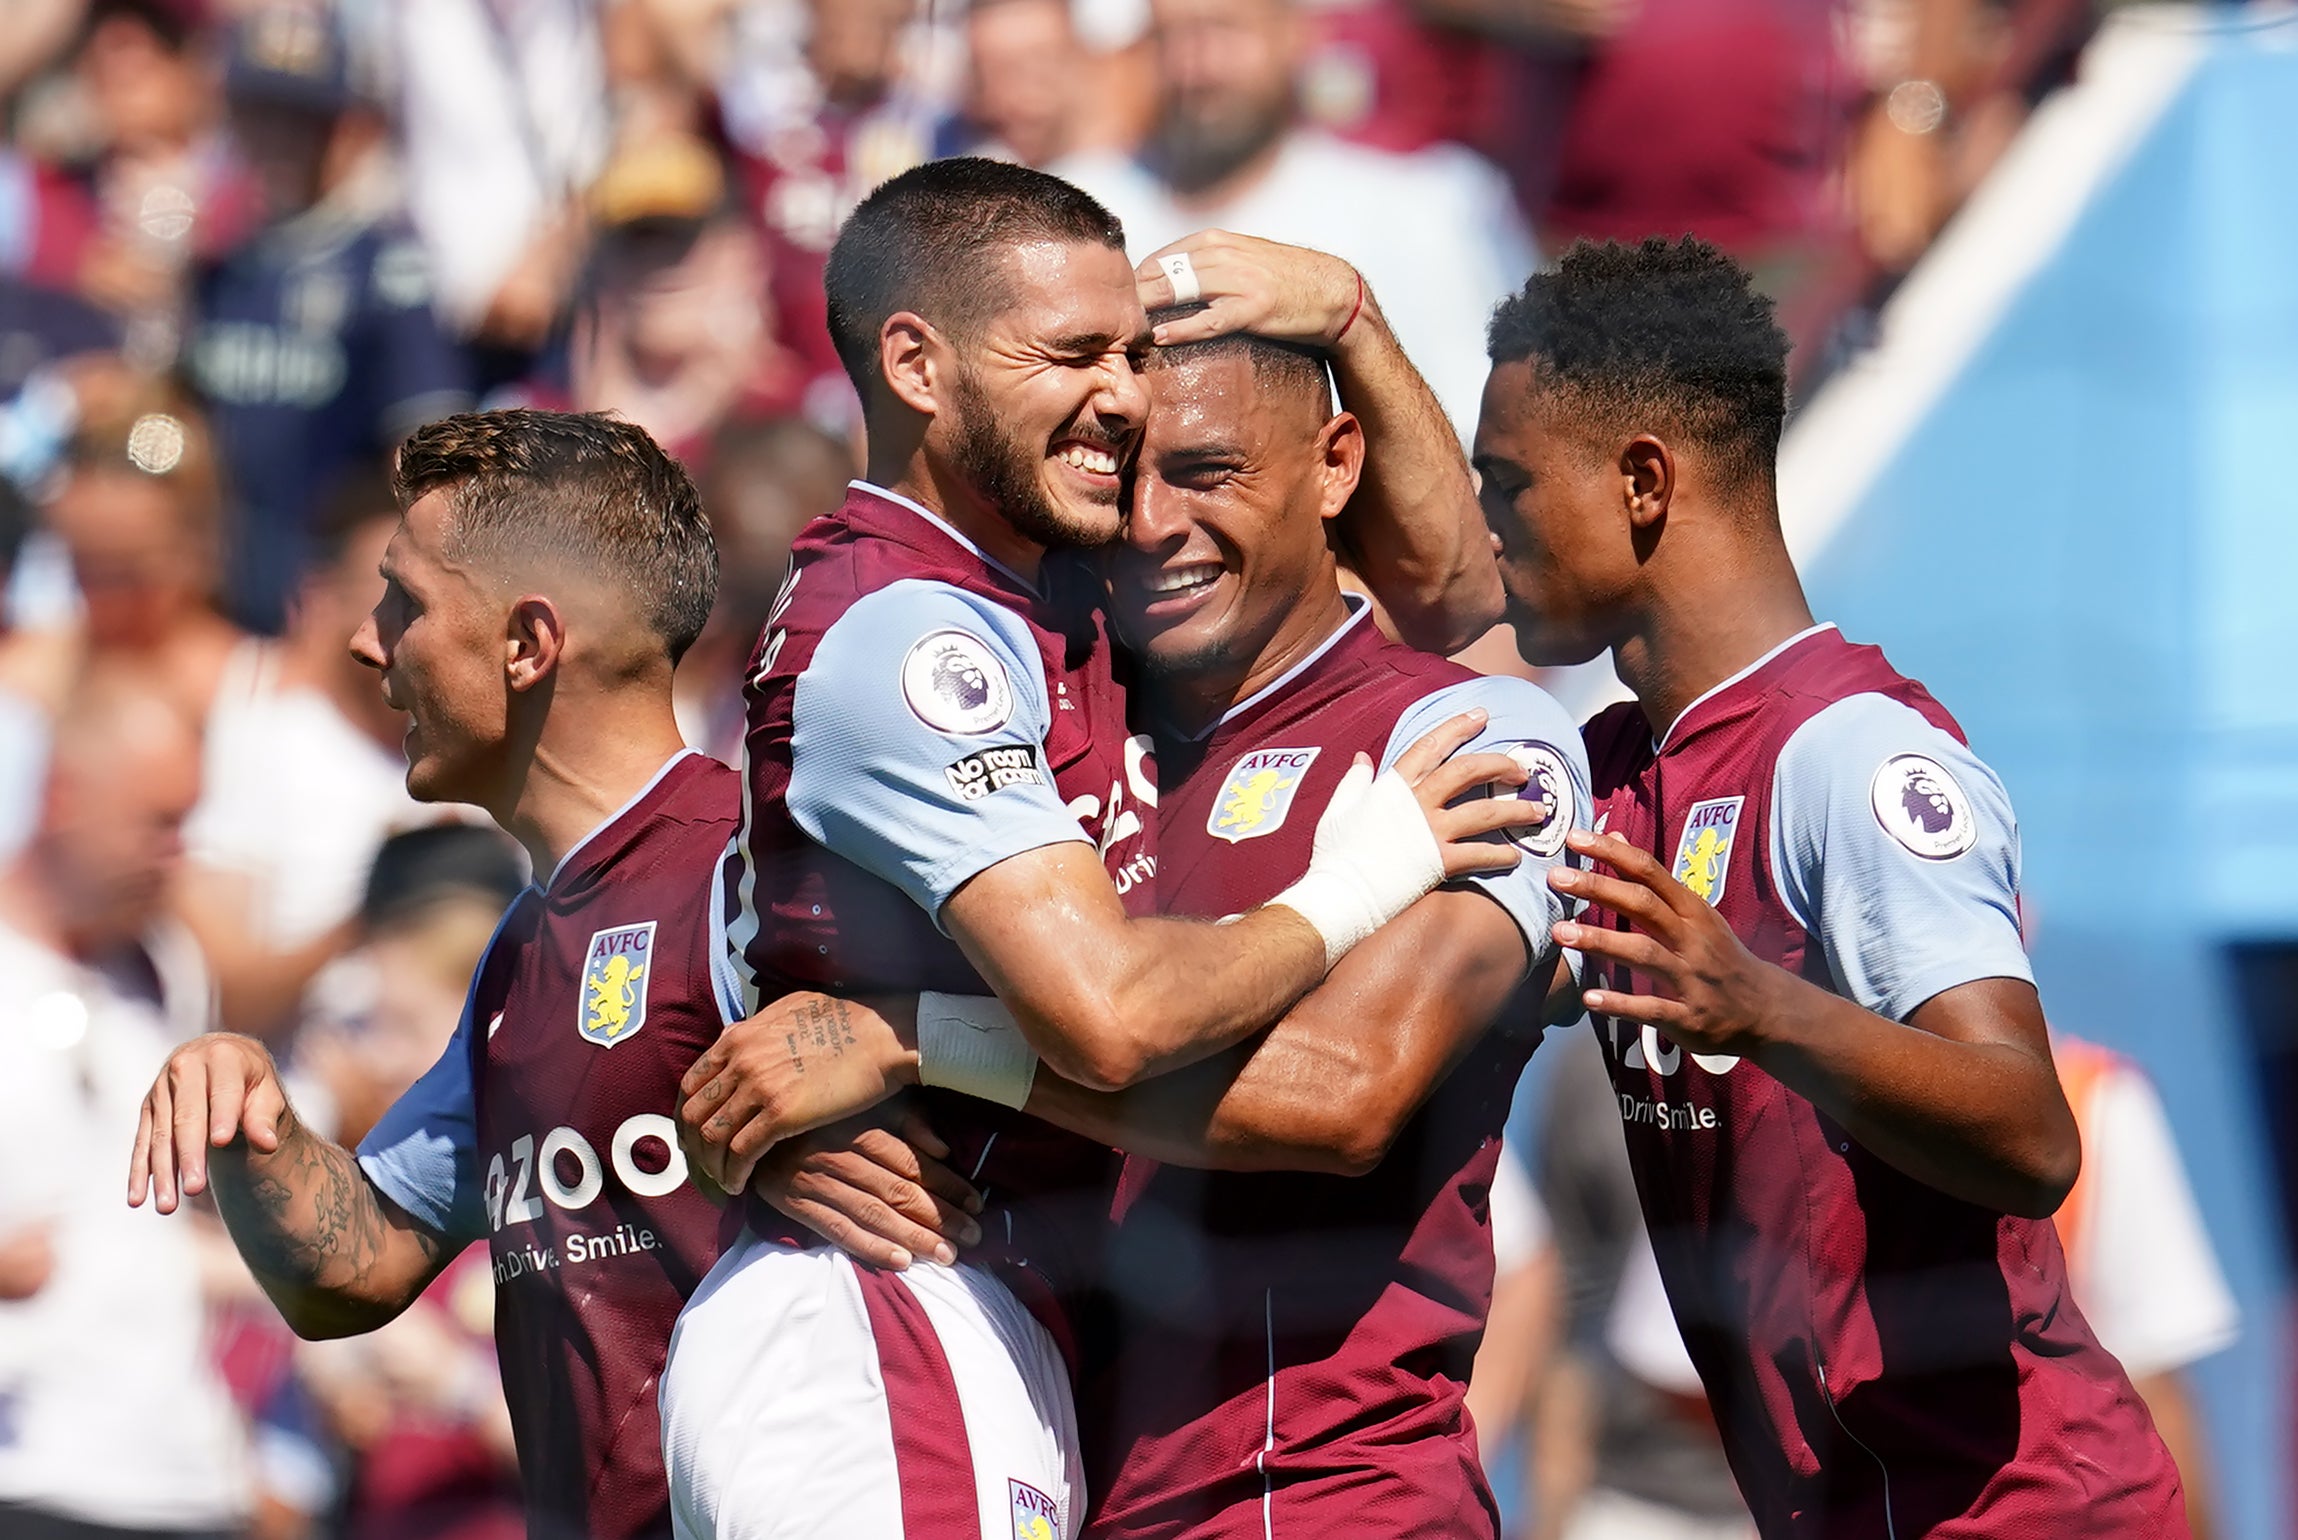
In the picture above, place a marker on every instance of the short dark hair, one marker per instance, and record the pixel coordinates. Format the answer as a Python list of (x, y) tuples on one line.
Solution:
[(581, 486), (930, 240), (1666, 334), (1277, 365)]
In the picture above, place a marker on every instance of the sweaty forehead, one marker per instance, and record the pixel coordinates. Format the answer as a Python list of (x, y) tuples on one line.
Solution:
[(1200, 395)]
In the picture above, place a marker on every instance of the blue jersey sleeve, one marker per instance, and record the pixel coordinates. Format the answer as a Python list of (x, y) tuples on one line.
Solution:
[(423, 1153), (917, 741), (415, 373), (1894, 846), (1526, 724)]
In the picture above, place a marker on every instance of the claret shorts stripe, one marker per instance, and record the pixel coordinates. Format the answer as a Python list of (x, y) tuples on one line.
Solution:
[(806, 1396)]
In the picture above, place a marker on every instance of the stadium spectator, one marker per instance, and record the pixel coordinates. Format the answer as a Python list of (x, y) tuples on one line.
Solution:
[(813, 136), (118, 1422), (1026, 75), (503, 123), (304, 781), (139, 511), (2139, 1263), (1520, 1328), (762, 483), (675, 332), (1434, 233), (141, 181), (313, 341)]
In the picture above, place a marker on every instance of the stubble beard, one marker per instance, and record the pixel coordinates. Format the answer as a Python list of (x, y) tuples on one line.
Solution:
[(1003, 471)]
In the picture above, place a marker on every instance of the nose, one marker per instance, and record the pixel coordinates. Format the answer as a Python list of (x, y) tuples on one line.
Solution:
[(1159, 518), (1121, 399), (367, 643)]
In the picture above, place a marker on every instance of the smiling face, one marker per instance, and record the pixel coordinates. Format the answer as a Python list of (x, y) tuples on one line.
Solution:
[(1553, 498), (1043, 402), (438, 637), (1225, 544)]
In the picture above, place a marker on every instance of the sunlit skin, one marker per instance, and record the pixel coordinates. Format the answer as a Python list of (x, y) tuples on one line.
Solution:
[(1056, 371), (1553, 500), (1231, 494), (436, 637)]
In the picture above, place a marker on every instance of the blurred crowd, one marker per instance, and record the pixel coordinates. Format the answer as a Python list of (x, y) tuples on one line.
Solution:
[(244, 247)]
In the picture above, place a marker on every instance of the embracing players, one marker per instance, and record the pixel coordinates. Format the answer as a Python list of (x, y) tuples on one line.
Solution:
[(943, 794), (1293, 1331), (1827, 1049), (546, 575)]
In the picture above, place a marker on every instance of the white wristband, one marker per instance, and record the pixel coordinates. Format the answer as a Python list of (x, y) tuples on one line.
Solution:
[(971, 1044)]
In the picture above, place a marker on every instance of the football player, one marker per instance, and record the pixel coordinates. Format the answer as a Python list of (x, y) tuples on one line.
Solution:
[(1805, 963), (546, 574)]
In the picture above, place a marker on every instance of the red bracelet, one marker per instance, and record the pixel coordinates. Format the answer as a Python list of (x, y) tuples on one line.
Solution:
[(1353, 311)]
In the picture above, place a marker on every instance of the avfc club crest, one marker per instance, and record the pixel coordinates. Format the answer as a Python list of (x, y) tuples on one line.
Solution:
[(615, 973), (1258, 794), (1035, 1516), (1922, 807), (1703, 854)]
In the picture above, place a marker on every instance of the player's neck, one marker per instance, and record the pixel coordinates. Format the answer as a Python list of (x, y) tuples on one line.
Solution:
[(575, 779), (955, 504), (1704, 622)]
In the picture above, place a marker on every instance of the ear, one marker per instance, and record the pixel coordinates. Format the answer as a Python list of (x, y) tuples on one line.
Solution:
[(535, 642), (911, 355), (1340, 457), (1647, 481)]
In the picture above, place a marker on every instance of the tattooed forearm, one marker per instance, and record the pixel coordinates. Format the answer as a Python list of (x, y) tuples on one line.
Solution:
[(317, 1235)]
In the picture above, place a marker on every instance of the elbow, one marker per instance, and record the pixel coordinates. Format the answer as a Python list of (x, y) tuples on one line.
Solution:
[(2049, 1176), (1100, 1054), (1350, 1136)]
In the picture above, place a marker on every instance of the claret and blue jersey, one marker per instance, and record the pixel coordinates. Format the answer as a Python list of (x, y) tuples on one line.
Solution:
[(1292, 1349), (919, 713), (1882, 1358)]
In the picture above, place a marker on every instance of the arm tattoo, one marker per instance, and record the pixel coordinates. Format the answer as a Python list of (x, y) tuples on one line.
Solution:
[(305, 1217)]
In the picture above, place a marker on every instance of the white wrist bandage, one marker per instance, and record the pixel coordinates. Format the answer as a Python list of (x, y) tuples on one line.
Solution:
[(1373, 858), (971, 1044)]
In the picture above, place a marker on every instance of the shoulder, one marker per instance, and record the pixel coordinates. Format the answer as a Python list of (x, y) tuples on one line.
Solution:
[(1919, 783), (1517, 710), (960, 658)]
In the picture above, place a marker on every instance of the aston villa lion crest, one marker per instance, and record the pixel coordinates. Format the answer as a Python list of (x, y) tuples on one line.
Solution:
[(1258, 794), (615, 972)]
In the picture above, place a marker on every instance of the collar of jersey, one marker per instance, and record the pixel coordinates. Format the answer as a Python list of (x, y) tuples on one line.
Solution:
[(1358, 608), (940, 523), (567, 861), (1660, 743)]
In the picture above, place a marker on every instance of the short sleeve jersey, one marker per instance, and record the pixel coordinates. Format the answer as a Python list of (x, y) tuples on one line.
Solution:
[(917, 714), (1882, 1358), (547, 1130), (1291, 1350)]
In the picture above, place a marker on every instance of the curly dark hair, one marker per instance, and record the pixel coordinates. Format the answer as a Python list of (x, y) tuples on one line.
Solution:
[(930, 240), (582, 487), (1669, 336)]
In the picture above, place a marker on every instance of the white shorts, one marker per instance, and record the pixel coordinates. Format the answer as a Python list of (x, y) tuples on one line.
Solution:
[(805, 1396)]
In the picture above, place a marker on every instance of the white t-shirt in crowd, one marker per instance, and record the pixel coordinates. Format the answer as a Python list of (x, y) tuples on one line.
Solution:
[(1435, 233), (295, 798), (2141, 1264), (111, 1409)]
